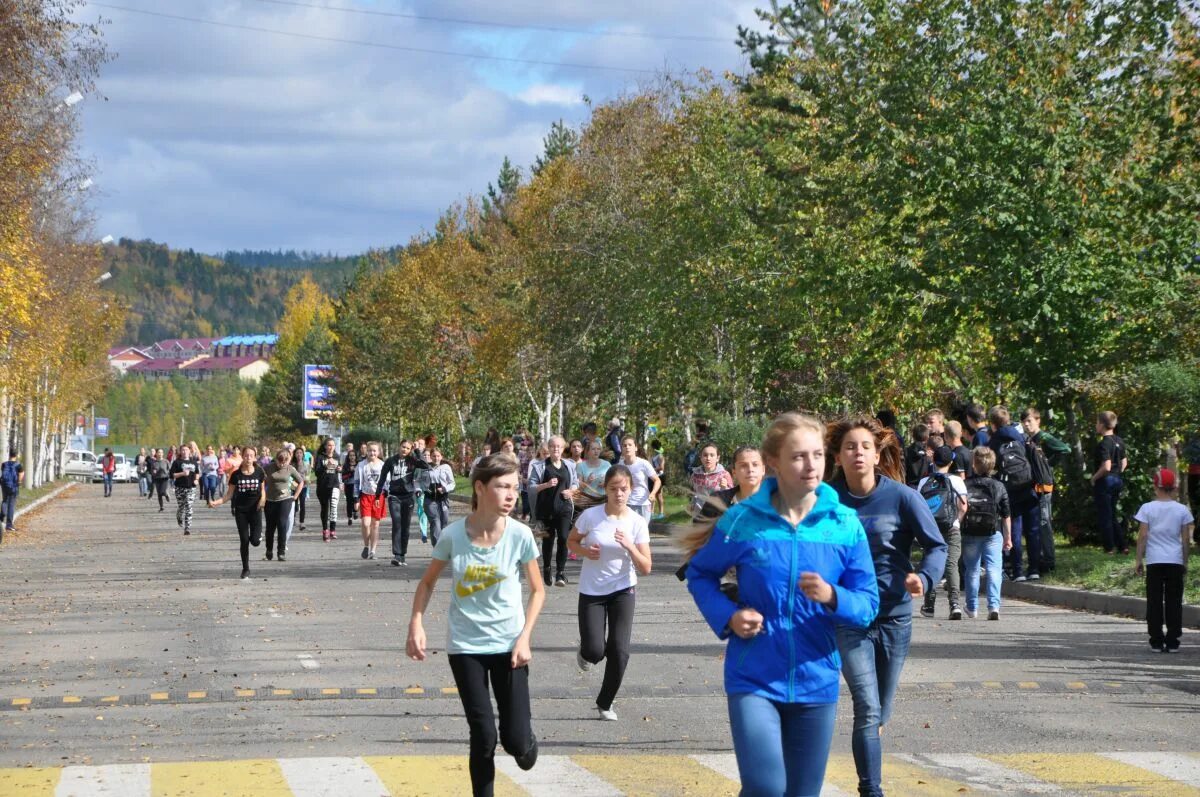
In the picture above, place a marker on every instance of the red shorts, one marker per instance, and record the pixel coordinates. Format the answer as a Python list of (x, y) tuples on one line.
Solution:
[(372, 506)]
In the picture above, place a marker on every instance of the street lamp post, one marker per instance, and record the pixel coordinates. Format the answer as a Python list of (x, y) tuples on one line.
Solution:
[(182, 426)]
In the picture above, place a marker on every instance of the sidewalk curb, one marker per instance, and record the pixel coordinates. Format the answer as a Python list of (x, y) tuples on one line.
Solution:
[(43, 500), (1083, 600)]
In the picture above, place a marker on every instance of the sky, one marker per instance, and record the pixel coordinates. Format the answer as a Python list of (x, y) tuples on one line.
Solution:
[(218, 138)]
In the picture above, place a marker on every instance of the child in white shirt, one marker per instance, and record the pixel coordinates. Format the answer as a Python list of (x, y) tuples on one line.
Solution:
[(1165, 529)]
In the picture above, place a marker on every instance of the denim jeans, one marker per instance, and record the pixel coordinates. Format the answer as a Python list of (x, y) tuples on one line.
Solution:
[(1027, 523), (1045, 503), (872, 659), (1106, 492), (781, 748), (8, 508), (989, 550), (144, 486), (108, 481), (208, 487)]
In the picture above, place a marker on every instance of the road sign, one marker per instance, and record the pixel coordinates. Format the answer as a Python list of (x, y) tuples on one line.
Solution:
[(318, 395), (102, 427)]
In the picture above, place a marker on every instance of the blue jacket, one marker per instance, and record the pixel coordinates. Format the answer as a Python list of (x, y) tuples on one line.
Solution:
[(795, 658), (894, 517)]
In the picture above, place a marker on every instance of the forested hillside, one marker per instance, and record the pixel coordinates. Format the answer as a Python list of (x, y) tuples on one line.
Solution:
[(182, 293)]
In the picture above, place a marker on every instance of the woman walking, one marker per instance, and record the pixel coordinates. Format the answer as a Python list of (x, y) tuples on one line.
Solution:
[(555, 492), (438, 484), (248, 494), (328, 471), (489, 631), (870, 462), (186, 473), (614, 542), (302, 462), (280, 477), (371, 507), (210, 468), (804, 569)]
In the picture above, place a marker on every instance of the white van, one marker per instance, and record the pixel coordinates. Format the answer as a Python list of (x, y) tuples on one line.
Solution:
[(79, 465)]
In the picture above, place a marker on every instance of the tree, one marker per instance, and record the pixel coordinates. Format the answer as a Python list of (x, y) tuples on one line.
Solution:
[(305, 337), (560, 142)]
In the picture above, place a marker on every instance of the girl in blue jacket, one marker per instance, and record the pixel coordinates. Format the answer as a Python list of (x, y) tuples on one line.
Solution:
[(803, 564)]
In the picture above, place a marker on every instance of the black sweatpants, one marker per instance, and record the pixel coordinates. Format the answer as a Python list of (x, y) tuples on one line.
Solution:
[(328, 500), (401, 510), (472, 671), (279, 519), (615, 611), (1164, 601), (160, 487), (249, 526), (557, 528)]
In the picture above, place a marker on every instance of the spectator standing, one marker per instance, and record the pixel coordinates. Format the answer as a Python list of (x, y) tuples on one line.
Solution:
[(1109, 462), (962, 454), (1044, 451), (986, 533), (946, 495), (1165, 527), (10, 485), (1015, 472)]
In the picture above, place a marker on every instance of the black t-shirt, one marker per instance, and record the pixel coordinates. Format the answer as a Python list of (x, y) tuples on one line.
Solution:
[(1111, 449), (328, 470), (185, 472), (247, 487), (962, 462), (550, 501)]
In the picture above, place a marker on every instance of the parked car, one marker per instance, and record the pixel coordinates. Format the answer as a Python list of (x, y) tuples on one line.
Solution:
[(123, 471), (79, 464)]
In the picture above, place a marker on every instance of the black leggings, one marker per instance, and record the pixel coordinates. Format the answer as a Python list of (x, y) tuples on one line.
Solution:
[(249, 527), (351, 503), (471, 674), (557, 528), (327, 501), (279, 518), (617, 611), (160, 487)]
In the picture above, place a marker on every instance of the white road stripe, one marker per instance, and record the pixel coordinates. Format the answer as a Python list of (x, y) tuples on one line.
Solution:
[(331, 777), (725, 765), (1176, 766), (555, 775), (114, 780), (983, 774)]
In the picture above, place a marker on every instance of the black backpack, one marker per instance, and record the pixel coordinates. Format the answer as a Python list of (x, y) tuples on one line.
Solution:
[(1039, 464), (1012, 466), (916, 464), (983, 515), (939, 494)]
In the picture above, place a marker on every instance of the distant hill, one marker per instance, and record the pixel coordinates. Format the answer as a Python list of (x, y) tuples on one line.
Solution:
[(181, 293)]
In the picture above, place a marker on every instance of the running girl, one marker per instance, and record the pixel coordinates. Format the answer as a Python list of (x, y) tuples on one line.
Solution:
[(248, 494), (614, 542), (804, 569), (328, 470), (186, 473), (284, 484), (895, 517), (489, 633), (371, 507), (709, 476), (591, 476), (160, 472), (645, 484)]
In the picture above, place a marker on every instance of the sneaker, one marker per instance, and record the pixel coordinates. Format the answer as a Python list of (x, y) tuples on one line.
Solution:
[(1155, 645), (269, 556), (186, 532), (302, 527), (371, 555), (179, 522), (970, 615), (561, 581), (1034, 577), (282, 556), (256, 541), (1019, 578), (365, 552), (333, 535), (527, 760), (1171, 645), (424, 538), (584, 664), (395, 561), (324, 536), (572, 556), (955, 613), (607, 714), (994, 614), (546, 577), (246, 574), (927, 608), (402, 562)]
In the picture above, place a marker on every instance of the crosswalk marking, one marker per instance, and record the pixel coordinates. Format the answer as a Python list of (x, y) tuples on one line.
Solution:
[(1177, 766), (331, 777), (546, 779), (1089, 774), (113, 780), (1152, 774), (986, 775)]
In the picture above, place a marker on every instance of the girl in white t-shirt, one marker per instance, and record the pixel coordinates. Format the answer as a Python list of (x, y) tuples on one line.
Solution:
[(1162, 546), (614, 543)]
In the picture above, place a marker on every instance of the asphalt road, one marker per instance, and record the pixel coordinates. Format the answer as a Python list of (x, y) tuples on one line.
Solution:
[(124, 641)]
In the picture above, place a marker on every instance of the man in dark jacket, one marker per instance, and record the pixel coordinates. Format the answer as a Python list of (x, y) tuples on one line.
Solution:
[(398, 475), (1014, 472)]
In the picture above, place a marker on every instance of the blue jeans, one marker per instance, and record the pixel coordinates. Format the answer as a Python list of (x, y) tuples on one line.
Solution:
[(108, 484), (208, 487), (144, 486), (8, 508), (781, 748), (1106, 492), (989, 551), (872, 659), (1026, 522)]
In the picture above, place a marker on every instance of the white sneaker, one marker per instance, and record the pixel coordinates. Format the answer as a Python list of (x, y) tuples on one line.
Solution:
[(970, 615), (607, 714), (584, 664)]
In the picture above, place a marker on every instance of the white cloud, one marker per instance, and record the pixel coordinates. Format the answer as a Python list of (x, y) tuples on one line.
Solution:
[(551, 94)]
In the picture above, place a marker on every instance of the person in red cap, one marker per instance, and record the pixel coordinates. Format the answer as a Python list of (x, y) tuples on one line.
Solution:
[(1164, 534)]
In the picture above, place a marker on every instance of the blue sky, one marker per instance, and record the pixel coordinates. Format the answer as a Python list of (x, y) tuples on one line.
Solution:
[(216, 138)]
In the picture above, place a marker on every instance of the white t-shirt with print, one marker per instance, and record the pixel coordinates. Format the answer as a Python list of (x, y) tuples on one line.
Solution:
[(1165, 519), (614, 570), (643, 473)]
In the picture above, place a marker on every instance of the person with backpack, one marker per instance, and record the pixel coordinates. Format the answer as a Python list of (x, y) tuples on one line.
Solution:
[(946, 495), (1110, 463), (1016, 474), (1044, 450), (10, 485), (986, 533), (916, 456)]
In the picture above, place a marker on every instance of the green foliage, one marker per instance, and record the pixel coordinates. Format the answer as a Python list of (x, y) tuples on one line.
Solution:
[(144, 412)]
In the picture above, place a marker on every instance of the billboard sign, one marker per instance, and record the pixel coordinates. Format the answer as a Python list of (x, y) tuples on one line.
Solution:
[(318, 395), (102, 427)]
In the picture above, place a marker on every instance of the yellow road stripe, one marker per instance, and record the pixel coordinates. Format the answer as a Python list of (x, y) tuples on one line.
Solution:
[(434, 776), (840, 772), (29, 782), (113, 699), (331, 691), (414, 690), (647, 775), (72, 699), (159, 695), (1091, 774), (449, 690), (899, 777), (1076, 685), (256, 778), (244, 692), (365, 691), (1029, 685), (22, 701), (197, 695), (993, 684), (281, 692)]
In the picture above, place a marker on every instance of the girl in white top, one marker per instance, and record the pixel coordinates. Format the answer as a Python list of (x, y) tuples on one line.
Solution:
[(646, 483), (370, 506), (614, 543)]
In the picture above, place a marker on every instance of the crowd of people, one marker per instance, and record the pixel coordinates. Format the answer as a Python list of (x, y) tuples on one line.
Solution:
[(801, 557)]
